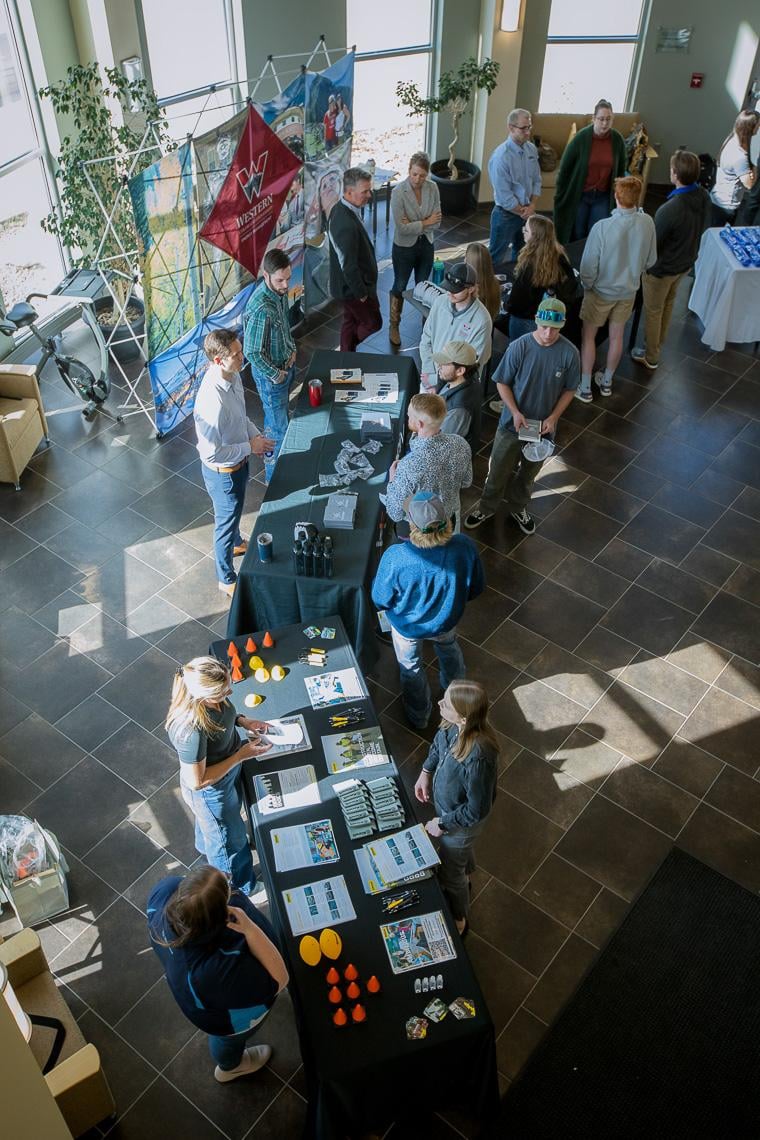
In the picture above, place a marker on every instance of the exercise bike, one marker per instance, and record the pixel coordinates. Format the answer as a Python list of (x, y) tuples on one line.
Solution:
[(76, 375)]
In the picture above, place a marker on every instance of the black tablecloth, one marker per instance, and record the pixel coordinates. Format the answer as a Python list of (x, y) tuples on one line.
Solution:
[(361, 1077), (272, 594)]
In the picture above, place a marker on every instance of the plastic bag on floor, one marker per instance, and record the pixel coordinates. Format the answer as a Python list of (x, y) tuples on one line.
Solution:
[(23, 851)]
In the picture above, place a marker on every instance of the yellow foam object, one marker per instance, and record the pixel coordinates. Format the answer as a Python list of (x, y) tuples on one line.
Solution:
[(309, 950), (330, 943), (253, 699), (277, 672), (255, 663), (262, 675)]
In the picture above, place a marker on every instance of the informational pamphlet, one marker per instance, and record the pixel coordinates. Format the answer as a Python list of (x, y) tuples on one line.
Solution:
[(326, 689), (379, 388), (287, 790), (417, 942), (285, 735), (401, 854), (316, 905), (370, 881), (305, 845), (346, 376), (356, 748)]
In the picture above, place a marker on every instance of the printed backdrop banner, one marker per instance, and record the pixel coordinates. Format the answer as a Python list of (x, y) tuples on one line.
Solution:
[(162, 201), (328, 130), (175, 374), (253, 192)]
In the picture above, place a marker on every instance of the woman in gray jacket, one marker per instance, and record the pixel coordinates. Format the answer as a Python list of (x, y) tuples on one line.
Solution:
[(416, 208), (459, 776)]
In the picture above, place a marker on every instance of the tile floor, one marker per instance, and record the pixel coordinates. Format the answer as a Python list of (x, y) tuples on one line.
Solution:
[(620, 646)]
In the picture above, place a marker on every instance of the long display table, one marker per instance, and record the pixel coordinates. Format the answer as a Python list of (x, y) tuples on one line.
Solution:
[(362, 1076)]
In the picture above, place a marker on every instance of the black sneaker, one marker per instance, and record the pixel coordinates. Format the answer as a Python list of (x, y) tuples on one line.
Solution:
[(476, 517), (526, 522)]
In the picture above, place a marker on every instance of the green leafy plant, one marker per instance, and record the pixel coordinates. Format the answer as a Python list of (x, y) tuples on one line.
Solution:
[(455, 89), (80, 224)]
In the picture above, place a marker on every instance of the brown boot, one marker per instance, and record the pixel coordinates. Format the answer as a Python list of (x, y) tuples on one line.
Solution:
[(397, 304)]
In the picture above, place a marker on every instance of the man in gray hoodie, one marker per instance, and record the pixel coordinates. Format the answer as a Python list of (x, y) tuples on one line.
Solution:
[(456, 315), (618, 250)]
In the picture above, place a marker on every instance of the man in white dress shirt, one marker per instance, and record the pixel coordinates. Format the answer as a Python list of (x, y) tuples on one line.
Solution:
[(226, 437)]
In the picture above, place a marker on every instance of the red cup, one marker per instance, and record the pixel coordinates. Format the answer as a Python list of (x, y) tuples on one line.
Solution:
[(315, 393)]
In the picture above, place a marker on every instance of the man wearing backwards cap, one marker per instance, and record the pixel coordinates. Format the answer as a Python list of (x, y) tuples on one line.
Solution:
[(459, 386), (536, 379), (424, 585), (456, 315)]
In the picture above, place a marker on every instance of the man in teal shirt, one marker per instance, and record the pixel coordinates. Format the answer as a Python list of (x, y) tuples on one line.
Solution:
[(270, 349)]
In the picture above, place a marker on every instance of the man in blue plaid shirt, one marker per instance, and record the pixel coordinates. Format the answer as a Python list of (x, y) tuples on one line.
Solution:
[(270, 348)]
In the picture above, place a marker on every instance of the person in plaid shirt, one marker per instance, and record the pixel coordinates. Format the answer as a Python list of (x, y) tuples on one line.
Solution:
[(270, 348)]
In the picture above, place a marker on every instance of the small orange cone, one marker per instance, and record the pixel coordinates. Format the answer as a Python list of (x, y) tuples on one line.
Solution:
[(333, 977), (236, 674), (350, 973), (339, 1018), (373, 985), (353, 991), (358, 1014), (268, 641), (335, 997), (250, 645), (232, 649)]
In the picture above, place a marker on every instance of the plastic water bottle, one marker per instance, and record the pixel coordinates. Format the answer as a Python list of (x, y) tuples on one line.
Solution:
[(317, 558), (510, 253), (308, 561), (297, 557), (327, 557)]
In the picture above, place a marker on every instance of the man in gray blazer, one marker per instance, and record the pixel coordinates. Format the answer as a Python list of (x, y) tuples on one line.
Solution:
[(353, 266)]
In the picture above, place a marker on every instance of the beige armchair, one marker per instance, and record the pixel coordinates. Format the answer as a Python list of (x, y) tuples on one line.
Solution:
[(77, 1081), (22, 420)]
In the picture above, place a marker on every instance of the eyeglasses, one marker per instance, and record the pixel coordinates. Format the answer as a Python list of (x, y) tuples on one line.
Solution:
[(521, 126)]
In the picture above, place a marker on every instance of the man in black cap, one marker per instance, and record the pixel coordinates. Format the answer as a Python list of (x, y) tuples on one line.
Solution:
[(455, 315), (459, 387), (424, 585)]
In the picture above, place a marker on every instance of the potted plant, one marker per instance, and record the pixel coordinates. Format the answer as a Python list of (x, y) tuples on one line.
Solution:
[(79, 223), (457, 179)]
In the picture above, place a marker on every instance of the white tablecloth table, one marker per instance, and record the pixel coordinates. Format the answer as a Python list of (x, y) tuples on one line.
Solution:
[(726, 296)]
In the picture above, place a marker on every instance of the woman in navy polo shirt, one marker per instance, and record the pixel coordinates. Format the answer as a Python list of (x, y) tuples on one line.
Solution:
[(221, 962)]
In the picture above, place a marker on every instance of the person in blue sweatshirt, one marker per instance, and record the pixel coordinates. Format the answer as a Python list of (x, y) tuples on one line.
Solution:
[(424, 585)]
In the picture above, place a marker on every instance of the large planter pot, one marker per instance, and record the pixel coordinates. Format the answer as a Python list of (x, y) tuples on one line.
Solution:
[(461, 196), (123, 346)]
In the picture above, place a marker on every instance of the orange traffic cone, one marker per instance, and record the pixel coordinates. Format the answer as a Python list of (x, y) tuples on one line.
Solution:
[(332, 977), (350, 973), (339, 1018), (236, 674), (250, 645), (335, 997), (358, 1014), (268, 640), (232, 649), (353, 991), (373, 985)]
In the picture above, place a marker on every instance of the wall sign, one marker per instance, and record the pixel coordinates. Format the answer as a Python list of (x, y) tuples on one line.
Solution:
[(673, 39)]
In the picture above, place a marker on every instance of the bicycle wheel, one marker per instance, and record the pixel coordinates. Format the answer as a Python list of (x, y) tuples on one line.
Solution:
[(80, 379)]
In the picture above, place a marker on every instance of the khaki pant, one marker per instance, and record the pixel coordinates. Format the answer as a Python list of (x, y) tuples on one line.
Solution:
[(659, 295)]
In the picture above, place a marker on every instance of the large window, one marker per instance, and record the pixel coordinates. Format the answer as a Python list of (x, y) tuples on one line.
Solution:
[(30, 259), (189, 45), (393, 42), (590, 51)]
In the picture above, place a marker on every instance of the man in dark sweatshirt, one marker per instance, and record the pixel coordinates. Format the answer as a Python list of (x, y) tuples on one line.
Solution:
[(424, 585), (679, 223), (459, 386), (353, 266)]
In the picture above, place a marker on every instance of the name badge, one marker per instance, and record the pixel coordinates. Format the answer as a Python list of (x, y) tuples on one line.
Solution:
[(559, 373)]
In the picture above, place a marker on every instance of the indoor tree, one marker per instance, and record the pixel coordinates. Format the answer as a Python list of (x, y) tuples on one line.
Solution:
[(455, 89)]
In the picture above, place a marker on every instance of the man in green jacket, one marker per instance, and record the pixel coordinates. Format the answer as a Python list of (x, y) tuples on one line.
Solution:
[(591, 162)]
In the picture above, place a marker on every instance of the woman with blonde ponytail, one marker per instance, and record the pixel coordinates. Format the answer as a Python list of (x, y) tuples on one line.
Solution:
[(202, 724), (459, 776)]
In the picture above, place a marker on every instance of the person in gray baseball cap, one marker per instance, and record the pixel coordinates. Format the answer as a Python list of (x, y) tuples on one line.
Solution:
[(459, 386), (457, 315), (424, 585)]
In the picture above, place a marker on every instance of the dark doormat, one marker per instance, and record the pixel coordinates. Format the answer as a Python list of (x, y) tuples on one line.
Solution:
[(662, 1038)]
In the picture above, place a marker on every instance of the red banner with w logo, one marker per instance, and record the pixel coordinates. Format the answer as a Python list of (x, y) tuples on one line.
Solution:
[(252, 194)]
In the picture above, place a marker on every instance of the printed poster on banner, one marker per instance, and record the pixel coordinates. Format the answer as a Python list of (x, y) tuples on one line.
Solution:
[(162, 201), (253, 192), (328, 130)]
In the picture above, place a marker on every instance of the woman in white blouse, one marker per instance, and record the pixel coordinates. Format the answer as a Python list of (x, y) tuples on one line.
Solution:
[(735, 174), (416, 207)]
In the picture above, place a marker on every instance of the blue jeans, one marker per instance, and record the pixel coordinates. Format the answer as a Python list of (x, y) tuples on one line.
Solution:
[(417, 257), (415, 690), (593, 206), (227, 494), (220, 833), (519, 326), (274, 401), (506, 229)]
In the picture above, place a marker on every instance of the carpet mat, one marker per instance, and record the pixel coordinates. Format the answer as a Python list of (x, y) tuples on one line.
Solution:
[(662, 1037)]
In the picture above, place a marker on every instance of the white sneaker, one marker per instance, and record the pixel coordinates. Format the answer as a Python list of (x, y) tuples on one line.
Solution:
[(254, 1059), (497, 406), (605, 386)]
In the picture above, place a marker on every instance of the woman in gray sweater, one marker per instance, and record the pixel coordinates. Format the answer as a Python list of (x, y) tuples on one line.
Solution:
[(416, 208), (459, 776)]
